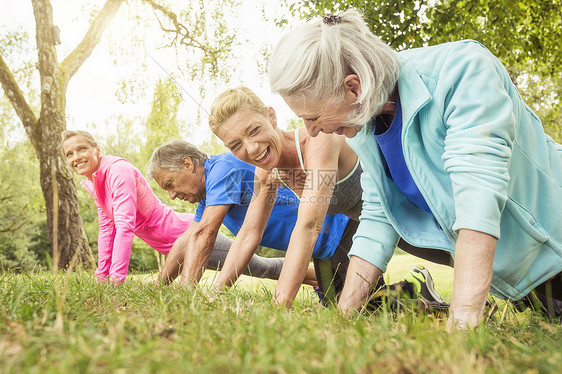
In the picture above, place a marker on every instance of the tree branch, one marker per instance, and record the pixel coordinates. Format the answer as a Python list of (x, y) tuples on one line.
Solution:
[(18, 222), (180, 30), (15, 95), (76, 58), (5, 198), (14, 226)]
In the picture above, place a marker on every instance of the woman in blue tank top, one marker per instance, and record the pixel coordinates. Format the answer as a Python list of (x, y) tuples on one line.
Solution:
[(323, 172)]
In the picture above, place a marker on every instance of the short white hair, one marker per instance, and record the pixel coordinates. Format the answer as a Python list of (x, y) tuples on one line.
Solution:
[(313, 60), (169, 156)]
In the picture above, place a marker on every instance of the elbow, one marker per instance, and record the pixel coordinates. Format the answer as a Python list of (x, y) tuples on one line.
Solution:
[(125, 226)]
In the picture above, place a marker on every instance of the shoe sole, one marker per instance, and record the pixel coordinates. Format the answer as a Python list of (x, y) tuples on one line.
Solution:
[(430, 285)]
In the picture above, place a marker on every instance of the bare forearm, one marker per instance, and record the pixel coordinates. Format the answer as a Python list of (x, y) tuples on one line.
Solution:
[(295, 265), (362, 277), (174, 260), (474, 256), (171, 268), (199, 247)]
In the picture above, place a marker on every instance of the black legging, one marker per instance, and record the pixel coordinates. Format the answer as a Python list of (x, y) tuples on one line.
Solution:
[(547, 298), (331, 273), (437, 256)]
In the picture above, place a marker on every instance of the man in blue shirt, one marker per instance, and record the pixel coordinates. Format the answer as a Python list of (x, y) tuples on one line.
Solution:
[(224, 186)]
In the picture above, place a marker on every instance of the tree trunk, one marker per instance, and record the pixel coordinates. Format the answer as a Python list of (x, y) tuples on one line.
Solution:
[(71, 239), (66, 231), (68, 238)]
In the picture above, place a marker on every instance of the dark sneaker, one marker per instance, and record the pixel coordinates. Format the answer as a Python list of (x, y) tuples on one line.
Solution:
[(420, 278)]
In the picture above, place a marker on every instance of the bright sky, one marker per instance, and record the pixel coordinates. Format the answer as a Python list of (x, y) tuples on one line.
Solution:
[(91, 94)]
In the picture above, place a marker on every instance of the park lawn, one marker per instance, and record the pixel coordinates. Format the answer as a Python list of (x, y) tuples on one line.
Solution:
[(141, 328), (398, 267)]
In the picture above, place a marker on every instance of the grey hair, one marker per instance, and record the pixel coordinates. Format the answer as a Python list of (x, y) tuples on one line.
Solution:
[(67, 134), (169, 156), (312, 61)]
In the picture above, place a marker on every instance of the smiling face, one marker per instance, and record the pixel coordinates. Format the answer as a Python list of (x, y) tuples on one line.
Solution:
[(83, 157), (253, 137), (188, 184)]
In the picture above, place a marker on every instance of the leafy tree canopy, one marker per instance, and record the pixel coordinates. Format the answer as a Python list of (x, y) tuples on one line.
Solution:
[(524, 35)]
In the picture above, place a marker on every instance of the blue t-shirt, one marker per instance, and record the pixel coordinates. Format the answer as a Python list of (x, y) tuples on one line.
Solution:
[(230, 181), (390, 143)]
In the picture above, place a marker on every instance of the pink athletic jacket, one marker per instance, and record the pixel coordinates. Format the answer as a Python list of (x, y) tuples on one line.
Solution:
[(127, 206)]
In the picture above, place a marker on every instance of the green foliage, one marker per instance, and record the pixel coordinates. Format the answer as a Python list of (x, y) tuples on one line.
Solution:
[(123, 140), (524, 35), (15, 47), (408, 24), (11, 40), (163, 123), (213, 146), (143, 258), (518, 32), (22, 215), (270, 252), (138, 327), (24, 243), (198, 40), (294, 124), (398, 23), (214, 32)]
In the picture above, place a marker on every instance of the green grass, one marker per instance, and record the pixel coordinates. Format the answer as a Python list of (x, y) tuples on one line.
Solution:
[(139, 328)]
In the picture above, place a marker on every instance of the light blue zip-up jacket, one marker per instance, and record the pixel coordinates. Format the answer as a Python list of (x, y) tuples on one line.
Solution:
[(481, 160)]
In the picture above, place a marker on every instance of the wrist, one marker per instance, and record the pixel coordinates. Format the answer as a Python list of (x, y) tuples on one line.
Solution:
[(346, 308), (284, 297), (219, 286), (462, 317)]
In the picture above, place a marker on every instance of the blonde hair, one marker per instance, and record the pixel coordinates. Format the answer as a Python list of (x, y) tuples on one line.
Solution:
[(231, 101), (67, 134), (313, 60)]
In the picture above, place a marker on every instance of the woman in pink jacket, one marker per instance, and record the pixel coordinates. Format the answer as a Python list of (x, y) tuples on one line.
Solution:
[(127, 207)]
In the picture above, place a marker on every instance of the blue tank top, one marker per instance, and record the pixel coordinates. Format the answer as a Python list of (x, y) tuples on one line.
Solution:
[(390, 143), (230, 181)]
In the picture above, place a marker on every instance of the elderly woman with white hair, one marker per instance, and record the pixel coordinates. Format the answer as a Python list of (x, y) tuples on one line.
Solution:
[(452, 158)]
